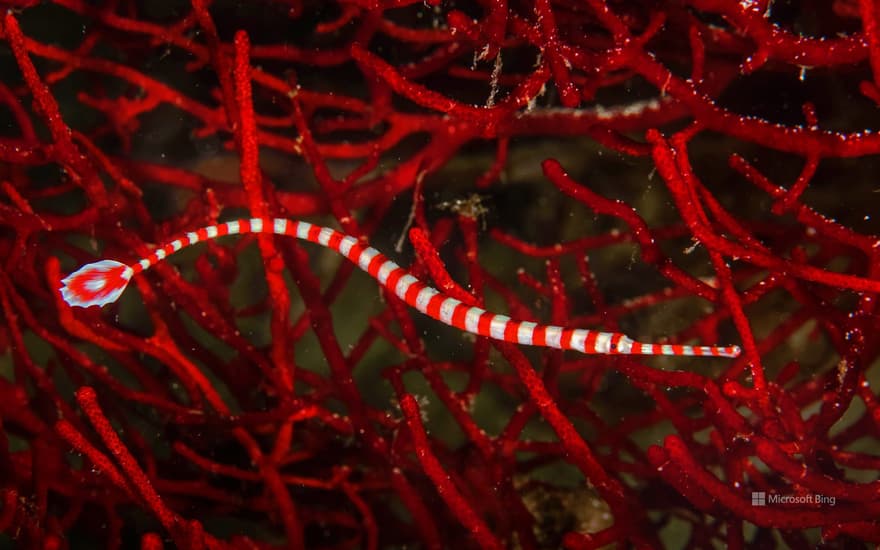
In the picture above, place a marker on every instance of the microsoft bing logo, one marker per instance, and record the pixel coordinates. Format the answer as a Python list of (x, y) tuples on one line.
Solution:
[(759, 498)]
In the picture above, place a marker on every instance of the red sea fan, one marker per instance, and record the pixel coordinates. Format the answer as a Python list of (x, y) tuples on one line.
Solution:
[(692, 173)]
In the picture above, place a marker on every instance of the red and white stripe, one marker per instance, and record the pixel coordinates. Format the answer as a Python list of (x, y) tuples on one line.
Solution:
[(79, 285)]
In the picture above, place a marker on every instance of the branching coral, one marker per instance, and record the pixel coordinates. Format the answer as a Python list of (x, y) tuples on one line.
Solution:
[(700, 171)]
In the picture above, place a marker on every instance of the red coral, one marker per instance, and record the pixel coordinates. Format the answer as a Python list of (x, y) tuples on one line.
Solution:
[(688, 170)]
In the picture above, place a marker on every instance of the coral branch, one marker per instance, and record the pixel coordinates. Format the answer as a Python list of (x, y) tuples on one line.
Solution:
[(441, 480)]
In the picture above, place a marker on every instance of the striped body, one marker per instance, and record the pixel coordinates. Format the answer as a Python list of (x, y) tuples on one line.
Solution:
[(429, 301)]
